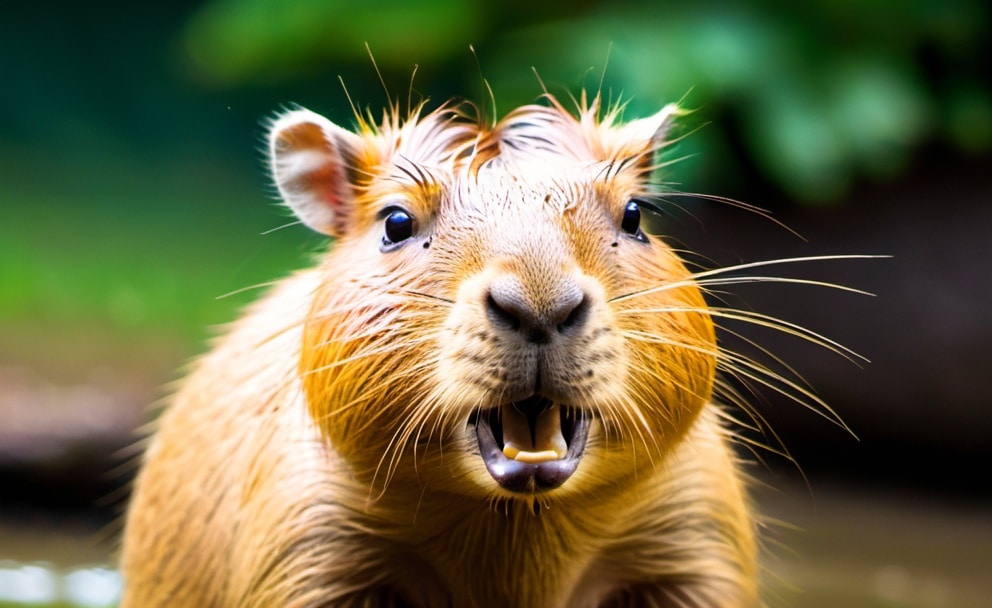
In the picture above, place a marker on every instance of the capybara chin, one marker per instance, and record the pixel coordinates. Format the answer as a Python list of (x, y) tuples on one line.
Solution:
[(495, 389)]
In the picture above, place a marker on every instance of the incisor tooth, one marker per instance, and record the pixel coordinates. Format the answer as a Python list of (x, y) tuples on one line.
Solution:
[(548, 435), (548, 442), (516, 430), (532, 457)]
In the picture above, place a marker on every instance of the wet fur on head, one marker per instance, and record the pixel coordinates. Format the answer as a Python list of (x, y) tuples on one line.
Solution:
[(327, 451), (441, 165)]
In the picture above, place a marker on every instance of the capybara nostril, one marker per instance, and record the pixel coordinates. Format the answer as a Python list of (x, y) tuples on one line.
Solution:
[(537, 315)]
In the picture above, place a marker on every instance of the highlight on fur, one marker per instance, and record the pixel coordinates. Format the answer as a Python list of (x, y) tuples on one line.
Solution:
[(496, 389)]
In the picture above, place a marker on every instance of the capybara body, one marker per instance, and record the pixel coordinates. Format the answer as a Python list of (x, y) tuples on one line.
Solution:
[(494, 390)]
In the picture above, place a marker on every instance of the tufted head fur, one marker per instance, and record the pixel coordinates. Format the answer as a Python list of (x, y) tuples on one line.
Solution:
[(504, 286)]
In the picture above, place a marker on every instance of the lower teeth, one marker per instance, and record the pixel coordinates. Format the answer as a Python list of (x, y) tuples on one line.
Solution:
[(531, 457)]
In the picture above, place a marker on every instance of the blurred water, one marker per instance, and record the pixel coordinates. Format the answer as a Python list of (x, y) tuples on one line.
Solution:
[(828, 546), (44, 583)]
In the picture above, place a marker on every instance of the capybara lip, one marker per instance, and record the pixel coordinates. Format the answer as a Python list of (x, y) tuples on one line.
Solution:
[(543, 465)]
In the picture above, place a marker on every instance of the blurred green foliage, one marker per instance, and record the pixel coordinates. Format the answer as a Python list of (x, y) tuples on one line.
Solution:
[(813, 94), (133, 194), (133, 200), (167, 251)]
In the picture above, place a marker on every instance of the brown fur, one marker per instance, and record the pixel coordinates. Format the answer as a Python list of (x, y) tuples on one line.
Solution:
[(321, 454)]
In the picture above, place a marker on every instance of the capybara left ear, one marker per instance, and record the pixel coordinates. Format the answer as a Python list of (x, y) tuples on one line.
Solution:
[(650, 134), (311, 160)]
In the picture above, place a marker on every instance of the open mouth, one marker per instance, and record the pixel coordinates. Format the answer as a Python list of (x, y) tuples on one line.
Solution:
[(531, 445)]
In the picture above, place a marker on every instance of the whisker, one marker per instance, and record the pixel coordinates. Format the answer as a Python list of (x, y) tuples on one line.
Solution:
[(777, 261), (282, 227), (377, 352), (416, 415), (740, 366), (772, 279), (788, 328), (644, 336), (758, 425), (695, 278), (247, 288), (428, 296), (759, 211), (760, 320), (764, 351), (743, 367)]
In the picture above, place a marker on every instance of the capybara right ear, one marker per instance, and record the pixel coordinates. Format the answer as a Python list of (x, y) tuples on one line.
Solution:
[(311, 160)]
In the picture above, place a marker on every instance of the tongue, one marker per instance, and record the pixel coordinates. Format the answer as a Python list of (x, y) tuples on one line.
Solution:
[(533, 439)]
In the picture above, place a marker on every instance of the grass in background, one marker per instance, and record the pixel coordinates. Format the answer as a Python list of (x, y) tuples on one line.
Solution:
[(98, 257), (123, 265)]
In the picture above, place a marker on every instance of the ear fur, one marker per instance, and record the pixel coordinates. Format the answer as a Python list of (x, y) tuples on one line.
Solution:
[(650, 133), (311, 160)]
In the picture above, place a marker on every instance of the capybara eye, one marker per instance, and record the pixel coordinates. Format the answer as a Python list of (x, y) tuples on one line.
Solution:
[(631, 222), (399, 227)]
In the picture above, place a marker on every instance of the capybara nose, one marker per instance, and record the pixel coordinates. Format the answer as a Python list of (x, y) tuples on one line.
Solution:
[(536, 314)]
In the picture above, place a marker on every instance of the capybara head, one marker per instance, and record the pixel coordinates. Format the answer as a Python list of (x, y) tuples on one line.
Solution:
[(492, 319)]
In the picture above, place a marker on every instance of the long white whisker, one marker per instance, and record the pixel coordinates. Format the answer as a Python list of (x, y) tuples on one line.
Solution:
[(697, 277), (769, 354), (741, 366), (246, 289), (775, 262), (790, 280), (738, 365), (761, 320), (651, 338)]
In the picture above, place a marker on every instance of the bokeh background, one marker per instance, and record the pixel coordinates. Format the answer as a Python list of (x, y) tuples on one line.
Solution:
[(135, 216)]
